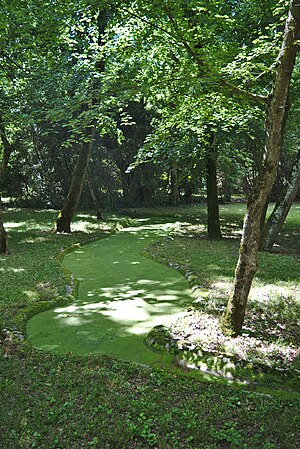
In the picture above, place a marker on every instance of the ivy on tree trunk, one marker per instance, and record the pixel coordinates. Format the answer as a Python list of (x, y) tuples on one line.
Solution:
[(274, 127)]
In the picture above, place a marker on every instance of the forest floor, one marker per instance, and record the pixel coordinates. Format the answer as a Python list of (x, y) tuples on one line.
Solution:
[(51, 401)]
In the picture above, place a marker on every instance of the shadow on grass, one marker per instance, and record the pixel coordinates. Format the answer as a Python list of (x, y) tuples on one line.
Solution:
[(191, 355)]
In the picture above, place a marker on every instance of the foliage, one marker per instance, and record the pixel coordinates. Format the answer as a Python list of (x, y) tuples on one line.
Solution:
[(178, 59)]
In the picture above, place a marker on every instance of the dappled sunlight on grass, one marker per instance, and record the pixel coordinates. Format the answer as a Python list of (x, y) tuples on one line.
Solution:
[(135, 310), (87, 226), (197, 331), (272, 327), (36, 240), (12, 270), (9, 225), (128, 306), (122, 295)]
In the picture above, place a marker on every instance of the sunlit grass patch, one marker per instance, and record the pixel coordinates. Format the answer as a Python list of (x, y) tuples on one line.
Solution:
[(32, 264), (272, 325)]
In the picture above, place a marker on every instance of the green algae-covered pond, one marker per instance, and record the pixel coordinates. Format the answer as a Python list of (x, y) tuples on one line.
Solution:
[(121, 296)]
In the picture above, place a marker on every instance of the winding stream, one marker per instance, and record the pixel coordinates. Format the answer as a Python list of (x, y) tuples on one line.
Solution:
[(121, 296)]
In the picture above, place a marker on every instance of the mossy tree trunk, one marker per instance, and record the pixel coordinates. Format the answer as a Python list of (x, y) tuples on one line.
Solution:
[(65, 216), (247, 262), (281, 209), (213, 216)]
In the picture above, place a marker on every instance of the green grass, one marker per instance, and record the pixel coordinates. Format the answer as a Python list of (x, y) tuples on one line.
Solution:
[(269, 344), (52, 402)]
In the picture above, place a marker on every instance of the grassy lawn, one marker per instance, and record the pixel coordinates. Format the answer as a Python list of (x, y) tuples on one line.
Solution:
[(64, 402), (267, 352)]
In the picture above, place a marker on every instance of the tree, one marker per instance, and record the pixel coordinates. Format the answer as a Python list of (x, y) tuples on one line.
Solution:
[(64, 218), (185, 77), (275, 120), (277, 217), (87, 114), (7, 150), (213, 219)]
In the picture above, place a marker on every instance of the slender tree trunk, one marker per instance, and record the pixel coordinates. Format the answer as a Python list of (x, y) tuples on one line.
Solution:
[(213, 216), (63, 221), (94, 195), (7, 147), (3, 234), (281, 209), (7, 150), (247, 262), (174, 184)]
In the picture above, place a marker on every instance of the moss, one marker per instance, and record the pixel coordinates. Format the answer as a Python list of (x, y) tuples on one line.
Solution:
[(159, 339)]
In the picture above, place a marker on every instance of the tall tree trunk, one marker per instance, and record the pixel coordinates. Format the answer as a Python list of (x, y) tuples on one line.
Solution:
[(63, 221), (3, 234), (94, 196), (7, 150), (247, 262), (7, 147), (174, 184), (213, 216), (281, 209)]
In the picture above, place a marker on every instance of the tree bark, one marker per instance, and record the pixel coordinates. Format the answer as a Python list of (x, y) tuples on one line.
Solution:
[(174, 184), (213, 216), (63, 221), (7, 147), (3, 234), (281, 209), (247, 262), (7, 150), (93, 194)]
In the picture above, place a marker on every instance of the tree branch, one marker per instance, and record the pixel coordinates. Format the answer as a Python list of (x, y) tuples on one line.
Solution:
[(197, 58), (244, 93), (201, 64), (151, 24)]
